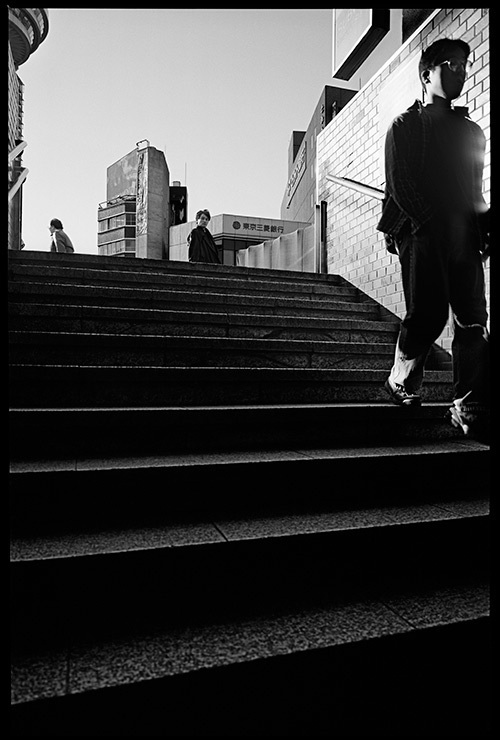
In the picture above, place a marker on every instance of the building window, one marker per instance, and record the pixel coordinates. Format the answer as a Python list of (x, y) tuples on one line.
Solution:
[(116, 222), (120, 247)]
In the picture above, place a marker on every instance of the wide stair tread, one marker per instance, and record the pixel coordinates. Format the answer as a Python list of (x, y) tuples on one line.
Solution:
[(163, 280), (36, 263), (191, 300), (144, 349), (105, 385), (248, 457)]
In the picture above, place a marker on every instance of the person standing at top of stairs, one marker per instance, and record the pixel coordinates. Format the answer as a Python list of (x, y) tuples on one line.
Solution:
[(436, 219), (202, 247), (60, 241)]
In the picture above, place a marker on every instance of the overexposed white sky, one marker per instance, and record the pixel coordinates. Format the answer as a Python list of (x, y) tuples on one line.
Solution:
[(218, 91)]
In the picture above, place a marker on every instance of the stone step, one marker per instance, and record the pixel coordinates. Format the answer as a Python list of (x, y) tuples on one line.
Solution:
[(118, 488), (295, 672), (131, 321), (99, 577), (76, 432), (179, 281), (52, 261), (181, 299), (46, 386), (153, 349), (71, 317), (285, 528), (341, 325)]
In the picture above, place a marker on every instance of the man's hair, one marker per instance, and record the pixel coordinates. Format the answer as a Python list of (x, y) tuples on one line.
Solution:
[(56, 223), (437, 53), (204, 211)]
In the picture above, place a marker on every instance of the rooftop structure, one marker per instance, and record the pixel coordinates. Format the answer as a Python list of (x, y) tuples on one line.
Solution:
[(28, 27)]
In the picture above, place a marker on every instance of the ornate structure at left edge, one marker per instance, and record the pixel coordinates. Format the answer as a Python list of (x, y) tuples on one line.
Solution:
[(28, 27)]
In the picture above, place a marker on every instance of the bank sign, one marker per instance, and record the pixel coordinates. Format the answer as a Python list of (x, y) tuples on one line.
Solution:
[(254, 227), (246, 226), (296, 176)]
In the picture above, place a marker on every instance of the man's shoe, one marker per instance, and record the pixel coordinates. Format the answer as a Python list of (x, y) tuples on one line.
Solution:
[(474, 425), (400, 396)]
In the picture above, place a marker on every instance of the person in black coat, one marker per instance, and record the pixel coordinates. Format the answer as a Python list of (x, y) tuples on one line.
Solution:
[(202, 247), (437, 221), (59, 240)]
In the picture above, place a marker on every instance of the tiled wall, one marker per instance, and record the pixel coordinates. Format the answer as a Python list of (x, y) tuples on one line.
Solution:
[(352, 146)]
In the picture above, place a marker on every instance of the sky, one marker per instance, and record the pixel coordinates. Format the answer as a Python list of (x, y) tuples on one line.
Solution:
[(218, 91)]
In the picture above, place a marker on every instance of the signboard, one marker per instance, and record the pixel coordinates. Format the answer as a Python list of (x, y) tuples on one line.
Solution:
[(296, 176), (253, 227), (356, 32), (122, 176), (246, 227)]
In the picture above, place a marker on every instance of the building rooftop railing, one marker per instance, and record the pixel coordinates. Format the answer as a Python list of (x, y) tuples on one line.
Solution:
[(115, 201)]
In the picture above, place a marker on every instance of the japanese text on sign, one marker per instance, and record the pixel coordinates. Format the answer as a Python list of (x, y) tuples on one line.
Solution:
[(263, 227)]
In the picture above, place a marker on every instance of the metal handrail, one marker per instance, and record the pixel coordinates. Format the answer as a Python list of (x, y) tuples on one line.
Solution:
[(359, 186)]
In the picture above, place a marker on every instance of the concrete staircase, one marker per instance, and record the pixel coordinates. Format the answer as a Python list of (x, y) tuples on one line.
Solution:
[(220, 526)]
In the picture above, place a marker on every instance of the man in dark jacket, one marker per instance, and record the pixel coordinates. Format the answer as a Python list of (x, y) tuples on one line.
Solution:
[(60, 241), (435, 218)]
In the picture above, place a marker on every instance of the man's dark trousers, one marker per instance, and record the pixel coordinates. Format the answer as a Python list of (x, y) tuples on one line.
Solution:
[(441, 267)]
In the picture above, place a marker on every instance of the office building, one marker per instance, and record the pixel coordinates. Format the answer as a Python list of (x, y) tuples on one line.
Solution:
[(140, 205)]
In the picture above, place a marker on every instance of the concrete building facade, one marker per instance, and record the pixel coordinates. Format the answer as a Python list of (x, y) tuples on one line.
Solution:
[(300, 196), (140, 206)]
